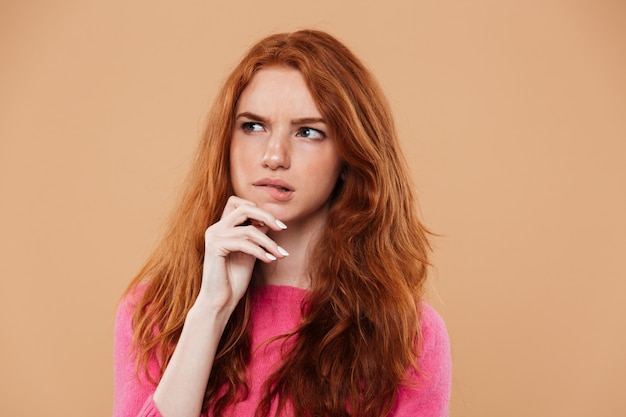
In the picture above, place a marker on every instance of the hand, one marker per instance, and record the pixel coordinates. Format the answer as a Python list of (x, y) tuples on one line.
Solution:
[(232, 246)]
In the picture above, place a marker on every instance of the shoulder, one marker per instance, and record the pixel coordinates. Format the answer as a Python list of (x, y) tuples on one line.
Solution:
[(434, 348), (132, 387), (131, 298), (125, 311), (426, 391), (433, 328), (125, 353)]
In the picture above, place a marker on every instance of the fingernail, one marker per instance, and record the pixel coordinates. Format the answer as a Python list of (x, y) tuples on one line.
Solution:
[(270, 256), (282, 251), (281, 224)]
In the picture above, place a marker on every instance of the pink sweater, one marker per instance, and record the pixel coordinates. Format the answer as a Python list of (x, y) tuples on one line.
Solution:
[(276, 310)]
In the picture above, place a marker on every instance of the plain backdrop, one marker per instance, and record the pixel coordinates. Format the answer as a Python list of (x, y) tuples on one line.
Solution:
[(512, 115)]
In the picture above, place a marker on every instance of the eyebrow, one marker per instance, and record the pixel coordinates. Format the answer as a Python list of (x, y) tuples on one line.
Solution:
[(251, 116), (300, 121)]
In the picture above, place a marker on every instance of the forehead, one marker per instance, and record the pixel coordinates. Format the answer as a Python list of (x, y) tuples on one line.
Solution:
[(278, 89)]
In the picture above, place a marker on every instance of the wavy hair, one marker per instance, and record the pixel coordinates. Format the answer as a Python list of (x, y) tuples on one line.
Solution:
[(360, 329)]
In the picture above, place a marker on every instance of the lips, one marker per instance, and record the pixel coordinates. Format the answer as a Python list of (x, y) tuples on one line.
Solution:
[(274, 183), (276, 188)]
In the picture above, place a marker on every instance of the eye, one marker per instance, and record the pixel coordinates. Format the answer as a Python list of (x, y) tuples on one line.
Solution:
[(310, 133), (252, 127)]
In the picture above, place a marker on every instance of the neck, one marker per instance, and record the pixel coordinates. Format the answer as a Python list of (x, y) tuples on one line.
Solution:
[(293, 271)]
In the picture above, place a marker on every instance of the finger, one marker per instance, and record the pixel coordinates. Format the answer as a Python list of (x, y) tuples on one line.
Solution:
[(259, 238), (221, 240), (252, 249), (245, 215), (234, 202)]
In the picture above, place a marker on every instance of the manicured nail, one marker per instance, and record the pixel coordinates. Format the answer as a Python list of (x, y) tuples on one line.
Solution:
[(282, 251), (281, 224), (270, 256)]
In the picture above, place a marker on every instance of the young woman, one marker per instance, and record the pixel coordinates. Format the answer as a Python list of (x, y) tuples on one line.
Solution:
[(290, 279)]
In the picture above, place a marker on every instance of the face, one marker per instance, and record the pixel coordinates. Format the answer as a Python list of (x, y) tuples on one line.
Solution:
[(282, 153)]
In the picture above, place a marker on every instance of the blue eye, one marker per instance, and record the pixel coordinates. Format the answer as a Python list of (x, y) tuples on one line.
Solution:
[(310, 133), (252, 127)]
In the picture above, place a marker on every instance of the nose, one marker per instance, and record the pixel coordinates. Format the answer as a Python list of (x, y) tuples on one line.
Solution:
[(277, 151)]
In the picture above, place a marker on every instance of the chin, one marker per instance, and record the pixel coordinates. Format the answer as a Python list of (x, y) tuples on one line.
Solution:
[(279, 211)]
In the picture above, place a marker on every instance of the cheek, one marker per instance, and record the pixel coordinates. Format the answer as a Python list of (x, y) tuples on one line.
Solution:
[(334, 166), (331, 167), (244, 151), (237, 164)]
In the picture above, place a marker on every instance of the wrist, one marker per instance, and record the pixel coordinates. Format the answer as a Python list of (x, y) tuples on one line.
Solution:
[(206, 312)]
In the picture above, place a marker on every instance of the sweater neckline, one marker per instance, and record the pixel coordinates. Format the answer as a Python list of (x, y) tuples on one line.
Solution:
[(279, 293)]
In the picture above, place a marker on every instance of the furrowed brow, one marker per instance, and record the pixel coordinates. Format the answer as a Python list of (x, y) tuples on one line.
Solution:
[(307, 120), (251, 116)]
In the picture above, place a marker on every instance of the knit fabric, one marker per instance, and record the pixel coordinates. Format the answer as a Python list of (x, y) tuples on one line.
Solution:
[(276, 310)]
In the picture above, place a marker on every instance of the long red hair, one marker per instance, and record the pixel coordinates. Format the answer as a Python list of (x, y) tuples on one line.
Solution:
[(360, 329)]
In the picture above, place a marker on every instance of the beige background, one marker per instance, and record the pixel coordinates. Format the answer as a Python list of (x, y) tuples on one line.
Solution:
[(512, 114)]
